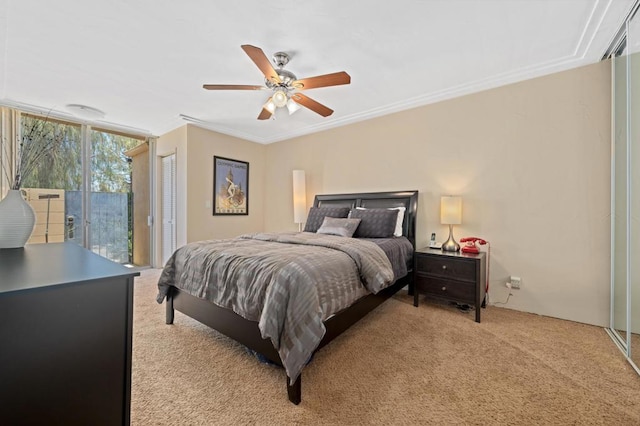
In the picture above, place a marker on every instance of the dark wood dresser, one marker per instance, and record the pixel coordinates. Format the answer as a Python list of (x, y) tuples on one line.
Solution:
[(65, 337), (454, 276)]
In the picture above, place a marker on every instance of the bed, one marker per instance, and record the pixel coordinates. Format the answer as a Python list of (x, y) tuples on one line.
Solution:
[(250, 332)]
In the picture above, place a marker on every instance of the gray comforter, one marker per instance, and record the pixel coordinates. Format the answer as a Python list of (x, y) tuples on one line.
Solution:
[(287, 282)]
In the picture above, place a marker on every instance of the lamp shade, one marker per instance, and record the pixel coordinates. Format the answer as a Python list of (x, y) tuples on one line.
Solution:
[(270, 106), (280, 98), (450, 210), (292, 106), (299, 196)]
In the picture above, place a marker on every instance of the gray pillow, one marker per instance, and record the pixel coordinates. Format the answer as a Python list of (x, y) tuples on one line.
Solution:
[(317, 215), (338, 226), (375, 223)]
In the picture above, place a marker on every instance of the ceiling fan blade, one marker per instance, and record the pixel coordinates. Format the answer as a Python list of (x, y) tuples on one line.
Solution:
[(264, 114), (314, 106), (231, 87), (334, 79), (260, 59)]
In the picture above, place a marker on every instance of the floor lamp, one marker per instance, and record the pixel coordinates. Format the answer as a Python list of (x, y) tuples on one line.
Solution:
[(299, 198)]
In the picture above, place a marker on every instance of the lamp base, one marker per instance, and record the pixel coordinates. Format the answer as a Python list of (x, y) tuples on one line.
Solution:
[(450, 244)]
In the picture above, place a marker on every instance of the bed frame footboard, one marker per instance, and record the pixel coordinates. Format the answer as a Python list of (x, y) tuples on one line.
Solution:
[(248, 334)]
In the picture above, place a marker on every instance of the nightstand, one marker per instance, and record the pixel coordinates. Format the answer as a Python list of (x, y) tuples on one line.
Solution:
[(454, 276)]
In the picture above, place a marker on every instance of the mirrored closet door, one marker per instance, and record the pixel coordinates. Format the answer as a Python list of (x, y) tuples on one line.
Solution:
[(625, 193), (619, 189), (633, 35)]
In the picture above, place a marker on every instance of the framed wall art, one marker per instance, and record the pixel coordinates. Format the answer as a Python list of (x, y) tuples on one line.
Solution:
[(230, 186)]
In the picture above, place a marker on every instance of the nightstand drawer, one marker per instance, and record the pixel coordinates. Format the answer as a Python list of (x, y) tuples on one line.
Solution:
[(459, 277), (446, 267), (455, 290)]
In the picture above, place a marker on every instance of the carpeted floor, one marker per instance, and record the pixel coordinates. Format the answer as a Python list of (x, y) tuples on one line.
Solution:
[(399, 365)]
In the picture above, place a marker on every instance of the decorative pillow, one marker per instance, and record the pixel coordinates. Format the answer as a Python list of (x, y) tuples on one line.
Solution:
[(317, 215), (338, 226), (399, 222), (375, 223)]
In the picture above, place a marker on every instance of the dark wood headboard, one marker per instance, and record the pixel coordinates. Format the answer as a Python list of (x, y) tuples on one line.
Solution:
[(378, 200)]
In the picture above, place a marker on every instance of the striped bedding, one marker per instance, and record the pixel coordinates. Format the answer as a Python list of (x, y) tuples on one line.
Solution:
[(287, 282)]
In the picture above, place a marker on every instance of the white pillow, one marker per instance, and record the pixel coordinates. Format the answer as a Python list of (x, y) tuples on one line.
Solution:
[(399, 221)]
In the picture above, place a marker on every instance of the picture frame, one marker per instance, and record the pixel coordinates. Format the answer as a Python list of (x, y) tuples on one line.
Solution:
[(230, 187)]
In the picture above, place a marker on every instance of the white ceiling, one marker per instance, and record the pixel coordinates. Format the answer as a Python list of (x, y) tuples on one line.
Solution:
[(143, 62)]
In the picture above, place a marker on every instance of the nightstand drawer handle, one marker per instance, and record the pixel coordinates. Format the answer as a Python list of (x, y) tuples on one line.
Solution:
[(444, 289), (444, 266)]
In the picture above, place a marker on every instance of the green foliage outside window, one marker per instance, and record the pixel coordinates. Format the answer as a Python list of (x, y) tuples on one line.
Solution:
[(110, 168), (52, 154), (61, 166)]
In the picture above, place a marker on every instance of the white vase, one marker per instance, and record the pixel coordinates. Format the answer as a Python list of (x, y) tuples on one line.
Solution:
[(17, 220)]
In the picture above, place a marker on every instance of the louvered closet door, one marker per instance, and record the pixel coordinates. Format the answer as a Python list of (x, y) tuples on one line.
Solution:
[(168, 206)]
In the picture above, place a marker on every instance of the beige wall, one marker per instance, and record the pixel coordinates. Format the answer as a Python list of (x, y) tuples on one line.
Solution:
[(531, 161), (202, 146)]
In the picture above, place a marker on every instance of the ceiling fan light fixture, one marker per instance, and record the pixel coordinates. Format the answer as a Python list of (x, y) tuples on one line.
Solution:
[(85, 112), (283, 84), (292, 106), (270, 106), (280, 98)]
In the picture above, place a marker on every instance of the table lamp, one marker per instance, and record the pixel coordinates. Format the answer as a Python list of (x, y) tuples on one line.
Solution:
[(450, 214)]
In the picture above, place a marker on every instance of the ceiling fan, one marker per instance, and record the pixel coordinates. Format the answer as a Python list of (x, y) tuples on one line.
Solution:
[(284, 84)]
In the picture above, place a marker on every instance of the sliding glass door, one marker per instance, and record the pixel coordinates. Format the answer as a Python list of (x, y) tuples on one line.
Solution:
[(111, 199), (81, 189)]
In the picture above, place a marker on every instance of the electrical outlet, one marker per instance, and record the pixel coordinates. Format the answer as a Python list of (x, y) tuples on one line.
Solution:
[(515, 282)]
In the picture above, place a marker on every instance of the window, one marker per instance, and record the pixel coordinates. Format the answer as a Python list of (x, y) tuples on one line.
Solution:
[(78, 181)]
